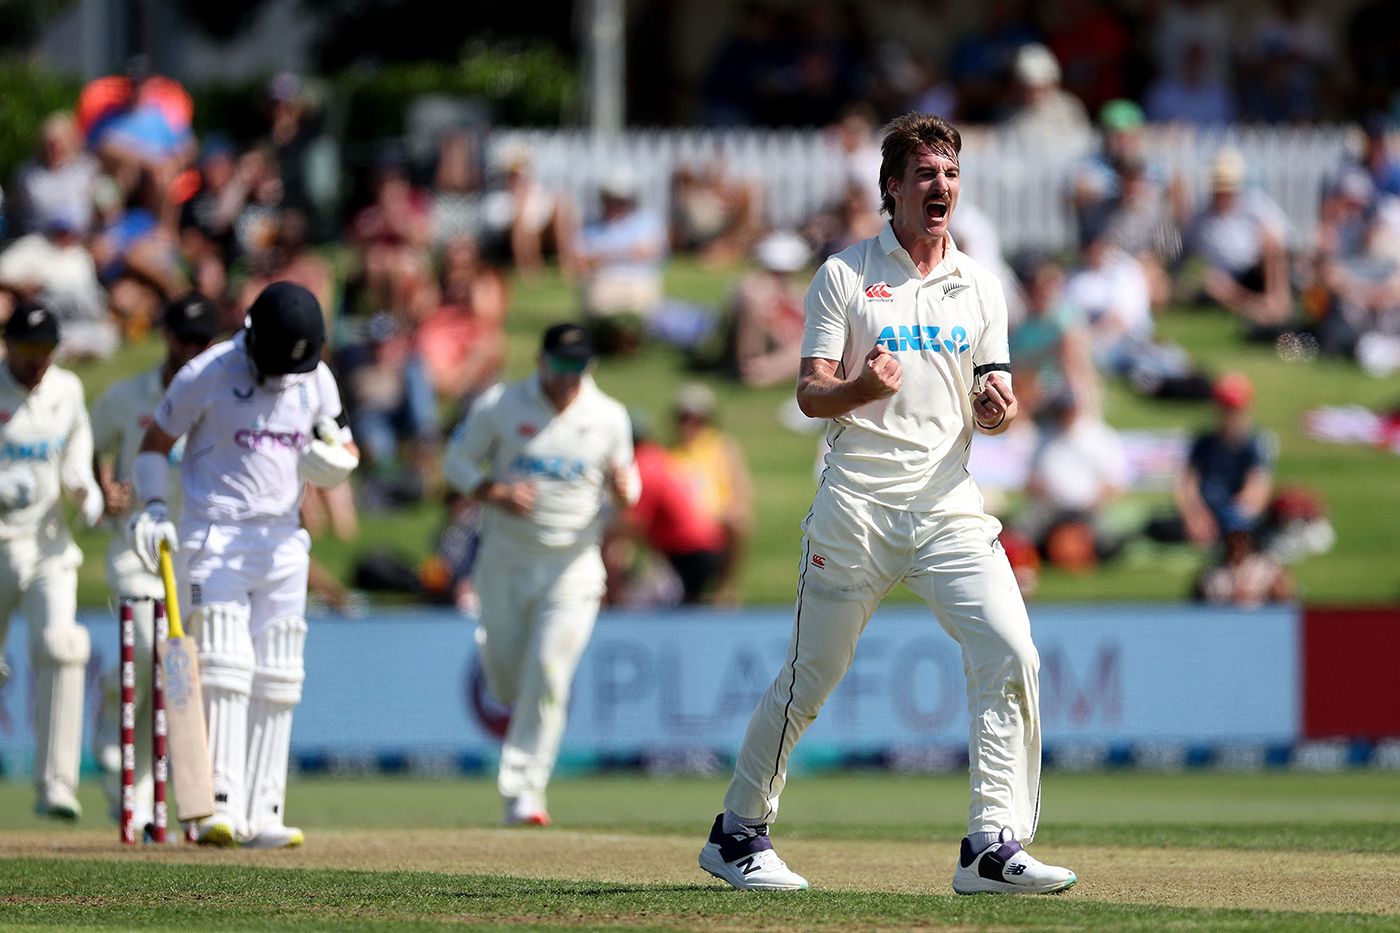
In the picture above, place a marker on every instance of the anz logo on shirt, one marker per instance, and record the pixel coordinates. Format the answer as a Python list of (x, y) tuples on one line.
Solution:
[(37, 450), (549, 467), (923, 337)]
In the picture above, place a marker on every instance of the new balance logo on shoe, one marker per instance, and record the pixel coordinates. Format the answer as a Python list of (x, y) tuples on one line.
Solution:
[(1015, 868), (747, 865)]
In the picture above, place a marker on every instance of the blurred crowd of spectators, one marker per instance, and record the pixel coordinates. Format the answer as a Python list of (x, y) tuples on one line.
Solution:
[(122, 208), (1203, 62)]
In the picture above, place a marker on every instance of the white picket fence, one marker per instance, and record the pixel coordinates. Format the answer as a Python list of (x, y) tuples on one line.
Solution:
[(1021, 185)]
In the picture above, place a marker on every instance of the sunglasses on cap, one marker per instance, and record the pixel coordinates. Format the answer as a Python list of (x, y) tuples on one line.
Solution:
[(564, 366)]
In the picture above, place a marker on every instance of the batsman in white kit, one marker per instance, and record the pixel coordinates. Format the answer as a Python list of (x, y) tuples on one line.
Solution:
[(45, 449), (260, 415), (547, 455), (905, 350), (120, 417)]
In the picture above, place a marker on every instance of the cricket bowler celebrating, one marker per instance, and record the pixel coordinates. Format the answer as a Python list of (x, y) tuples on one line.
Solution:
[(45, 448), (120, 417), (546, 455), (260, 415), (905, 349)]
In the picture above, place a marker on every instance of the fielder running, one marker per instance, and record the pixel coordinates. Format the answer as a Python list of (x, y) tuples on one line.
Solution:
[(260, 415), (45, 448), (905, 349), (546, 454), (120, 417)]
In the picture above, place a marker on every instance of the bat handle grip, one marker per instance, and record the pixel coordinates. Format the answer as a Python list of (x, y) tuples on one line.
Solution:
[(172, 595)]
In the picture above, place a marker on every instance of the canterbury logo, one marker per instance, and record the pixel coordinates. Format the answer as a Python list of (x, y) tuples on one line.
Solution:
[(954, 289), (36, 318), (818, 560), (747, 864), (880, 291)]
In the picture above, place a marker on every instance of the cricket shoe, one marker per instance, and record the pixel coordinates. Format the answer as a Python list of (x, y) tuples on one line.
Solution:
[(57, 800), (217, 831), (1006, 868), (525, 810), (276, 837), (747, 860)]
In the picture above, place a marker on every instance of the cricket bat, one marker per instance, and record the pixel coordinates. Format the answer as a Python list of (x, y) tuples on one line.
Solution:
[(184, 708)]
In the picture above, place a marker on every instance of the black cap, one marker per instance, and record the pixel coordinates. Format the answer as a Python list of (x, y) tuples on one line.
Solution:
[(192, 318), (568, 342), (31, 323), (285, 330)]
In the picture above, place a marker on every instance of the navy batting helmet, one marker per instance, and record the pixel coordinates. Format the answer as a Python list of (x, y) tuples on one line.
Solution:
[(285, 330)]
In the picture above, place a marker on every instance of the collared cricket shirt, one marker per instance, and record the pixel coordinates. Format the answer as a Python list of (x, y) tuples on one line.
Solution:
[(907, 451)]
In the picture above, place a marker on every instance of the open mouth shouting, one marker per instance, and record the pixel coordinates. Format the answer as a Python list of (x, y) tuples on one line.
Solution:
[(936, 210)]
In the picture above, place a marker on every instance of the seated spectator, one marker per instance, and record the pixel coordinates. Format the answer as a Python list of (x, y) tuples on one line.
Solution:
[(766, 321), (390, 400), (1110, 292), (669, 518), (1050, 349), (58, 184), (1077, 471), (1352, 294), (523, 221), (1139, 221), (1096, 187), (393, 229), (854, 217), (1044, 112), (225, 183), (1194, 96), (1245, 577), (1377, 158), (461, 335), (1228, 476), (712, 466), (712, 217), (976, 235), (56, 270), (620, 260), (289, 258), (1241, 236)]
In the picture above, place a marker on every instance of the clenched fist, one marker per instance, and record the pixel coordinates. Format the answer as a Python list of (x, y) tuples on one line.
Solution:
[(881, 374)]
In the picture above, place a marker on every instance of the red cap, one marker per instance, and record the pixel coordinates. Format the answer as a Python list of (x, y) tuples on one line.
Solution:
[(1233, 390)]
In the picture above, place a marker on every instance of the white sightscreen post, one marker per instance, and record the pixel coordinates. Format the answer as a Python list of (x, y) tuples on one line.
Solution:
[(606, 65)]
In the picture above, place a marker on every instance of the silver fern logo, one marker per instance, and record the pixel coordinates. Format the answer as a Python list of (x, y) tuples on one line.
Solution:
[(954, 289)]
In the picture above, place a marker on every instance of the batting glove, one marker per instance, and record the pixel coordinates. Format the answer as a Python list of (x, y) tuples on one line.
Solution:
[(326, 462), (147, 530)]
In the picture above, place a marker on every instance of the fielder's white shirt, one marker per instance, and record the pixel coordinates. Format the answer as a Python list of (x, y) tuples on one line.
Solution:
[(120, 417), (513, 433), (242, 440), (907, 451), (44, 433)]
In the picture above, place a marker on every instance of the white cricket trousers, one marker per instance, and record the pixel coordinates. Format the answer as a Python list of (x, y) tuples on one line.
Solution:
[(854, 552), (537, 613), (39, 576)]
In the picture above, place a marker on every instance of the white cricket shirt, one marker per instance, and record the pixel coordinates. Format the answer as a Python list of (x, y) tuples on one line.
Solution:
[(907, 451), (513, 434), (44, 432), (120, 417), (242, 440)]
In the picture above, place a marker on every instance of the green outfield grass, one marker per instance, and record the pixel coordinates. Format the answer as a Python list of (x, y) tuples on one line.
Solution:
[(1361, 485), (1196, 851)]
